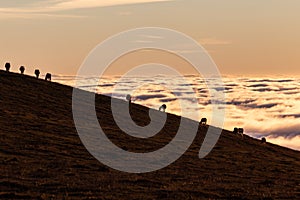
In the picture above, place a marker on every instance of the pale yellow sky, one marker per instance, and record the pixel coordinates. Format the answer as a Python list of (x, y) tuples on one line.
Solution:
[(243, 37)]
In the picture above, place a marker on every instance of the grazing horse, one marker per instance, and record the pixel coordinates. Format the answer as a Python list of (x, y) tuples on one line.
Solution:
[(128, 98), (203, 121), (7, 66), (48, 77), (22, 69), (239, 131), (235, 130), (163, 108), (37, 73)]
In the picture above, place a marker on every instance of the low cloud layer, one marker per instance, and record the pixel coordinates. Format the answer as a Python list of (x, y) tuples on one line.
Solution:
[(263, 107)]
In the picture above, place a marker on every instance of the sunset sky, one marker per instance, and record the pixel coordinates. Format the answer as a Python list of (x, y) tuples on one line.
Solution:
[(243, 37)]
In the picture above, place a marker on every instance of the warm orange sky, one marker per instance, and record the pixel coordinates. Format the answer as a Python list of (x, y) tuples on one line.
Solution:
[(243, 37)]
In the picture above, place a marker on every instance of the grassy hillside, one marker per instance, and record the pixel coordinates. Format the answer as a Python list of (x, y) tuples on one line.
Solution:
[(42, 156)]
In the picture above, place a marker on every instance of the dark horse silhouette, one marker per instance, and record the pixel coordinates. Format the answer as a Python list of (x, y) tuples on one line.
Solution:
[(22, 69), (48, 77), (37, 73), (7, 66), (239, 131), (128, 98), (235, 130), (203, 121), (163, 108)]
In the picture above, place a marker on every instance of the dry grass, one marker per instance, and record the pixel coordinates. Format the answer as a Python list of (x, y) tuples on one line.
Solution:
[(42, 156)]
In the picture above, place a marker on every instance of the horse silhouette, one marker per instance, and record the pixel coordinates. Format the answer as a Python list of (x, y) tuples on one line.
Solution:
[(128, 98), (163, 108), (239, 131), (48, 77), (235, 130), (7, 66), (37, 73), (22, 69), (203, 121)]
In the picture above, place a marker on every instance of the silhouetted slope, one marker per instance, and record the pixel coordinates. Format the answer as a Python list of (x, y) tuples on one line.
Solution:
[(43, 157)]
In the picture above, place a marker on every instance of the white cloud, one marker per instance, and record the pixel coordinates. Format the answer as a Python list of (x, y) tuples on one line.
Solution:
[(63, 5), (76, 4), (293, 143)]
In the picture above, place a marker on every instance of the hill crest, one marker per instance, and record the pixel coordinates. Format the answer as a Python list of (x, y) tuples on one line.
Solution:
[(43, 157)]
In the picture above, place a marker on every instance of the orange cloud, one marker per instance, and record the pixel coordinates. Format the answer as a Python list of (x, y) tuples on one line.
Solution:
[(63, 5)]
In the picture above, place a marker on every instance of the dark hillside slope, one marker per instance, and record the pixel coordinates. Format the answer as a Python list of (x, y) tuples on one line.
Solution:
[(42, 156)]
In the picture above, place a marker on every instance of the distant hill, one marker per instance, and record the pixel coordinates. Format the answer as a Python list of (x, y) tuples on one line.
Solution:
[(42, 156)]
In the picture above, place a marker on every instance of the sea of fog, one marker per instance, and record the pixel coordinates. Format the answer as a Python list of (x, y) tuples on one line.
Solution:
[(264, 107)]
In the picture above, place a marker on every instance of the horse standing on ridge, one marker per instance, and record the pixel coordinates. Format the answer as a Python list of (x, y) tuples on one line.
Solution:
[(22, 69), (163, 108), (7, 66), (48, 77), (37, 73)]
